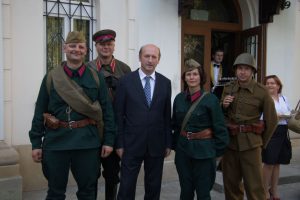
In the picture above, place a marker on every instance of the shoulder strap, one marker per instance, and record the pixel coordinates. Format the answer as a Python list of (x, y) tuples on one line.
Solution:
[(92, 64), (94, 74), (192, 108)]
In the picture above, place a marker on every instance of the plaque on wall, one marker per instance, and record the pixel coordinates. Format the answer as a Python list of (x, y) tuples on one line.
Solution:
[(199, 14)]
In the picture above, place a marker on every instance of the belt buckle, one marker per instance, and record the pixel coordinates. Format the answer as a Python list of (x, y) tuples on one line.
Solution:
[(70, 124), (241, 127), (188, 134)]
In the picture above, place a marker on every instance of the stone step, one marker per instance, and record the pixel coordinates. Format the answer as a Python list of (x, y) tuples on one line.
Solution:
[(169, 171)]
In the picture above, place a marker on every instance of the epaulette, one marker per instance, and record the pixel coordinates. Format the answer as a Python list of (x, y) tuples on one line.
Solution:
[(230, 83), (261, 86)]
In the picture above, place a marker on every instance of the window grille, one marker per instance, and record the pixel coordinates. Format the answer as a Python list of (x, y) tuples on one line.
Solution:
[(250, 45), (61, 17)]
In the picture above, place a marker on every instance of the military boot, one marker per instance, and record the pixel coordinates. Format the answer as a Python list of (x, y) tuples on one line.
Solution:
[(110, 191)]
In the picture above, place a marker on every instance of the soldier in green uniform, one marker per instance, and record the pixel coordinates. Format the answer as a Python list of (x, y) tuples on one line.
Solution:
[(244, 102), (112, 69), (67, 127), (200, 134)]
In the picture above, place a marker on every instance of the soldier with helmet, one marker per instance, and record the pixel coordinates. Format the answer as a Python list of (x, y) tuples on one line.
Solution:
[(244, 101)]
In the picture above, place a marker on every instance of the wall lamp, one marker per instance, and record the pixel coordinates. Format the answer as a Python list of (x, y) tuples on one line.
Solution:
[(285, 4)]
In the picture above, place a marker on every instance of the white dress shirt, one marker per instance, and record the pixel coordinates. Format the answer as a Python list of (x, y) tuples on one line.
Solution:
[(152, 80), (282, 108)]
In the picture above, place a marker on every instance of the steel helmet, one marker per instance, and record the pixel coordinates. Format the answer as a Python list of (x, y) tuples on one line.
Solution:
[(245, 59)]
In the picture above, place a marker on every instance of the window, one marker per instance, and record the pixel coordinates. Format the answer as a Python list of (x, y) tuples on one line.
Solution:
[(210, 10), (61, 17)]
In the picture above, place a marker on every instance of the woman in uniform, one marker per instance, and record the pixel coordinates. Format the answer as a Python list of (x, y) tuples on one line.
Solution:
[(199, 134)]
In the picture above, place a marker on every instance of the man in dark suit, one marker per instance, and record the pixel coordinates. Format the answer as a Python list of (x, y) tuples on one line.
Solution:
[(217, 72), (216, 67), (143, 111)]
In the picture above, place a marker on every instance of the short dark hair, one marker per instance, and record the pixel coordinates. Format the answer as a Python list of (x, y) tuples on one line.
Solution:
[(202, 78), (276, 79), (217, 50)]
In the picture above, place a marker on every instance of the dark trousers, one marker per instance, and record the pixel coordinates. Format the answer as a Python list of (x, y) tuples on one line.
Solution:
[(84, 165), (130, 167), (111, 168), (195, 175)]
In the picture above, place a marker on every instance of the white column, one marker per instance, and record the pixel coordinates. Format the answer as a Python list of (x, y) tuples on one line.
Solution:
[(1, 77), (132, 35)]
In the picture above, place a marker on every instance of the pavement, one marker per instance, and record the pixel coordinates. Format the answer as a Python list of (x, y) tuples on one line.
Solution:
[(289, 182)]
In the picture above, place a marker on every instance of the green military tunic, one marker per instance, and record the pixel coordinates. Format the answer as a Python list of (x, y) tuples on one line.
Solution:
[(207, 114), (76, 149), (242, 160), (195, 159), (65, 138)]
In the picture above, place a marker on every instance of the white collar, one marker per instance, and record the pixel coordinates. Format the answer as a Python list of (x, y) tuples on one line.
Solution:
[(143, 75)]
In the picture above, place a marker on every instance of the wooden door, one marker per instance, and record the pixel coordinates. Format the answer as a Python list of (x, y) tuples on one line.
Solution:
[(196, 44), (253, 41)]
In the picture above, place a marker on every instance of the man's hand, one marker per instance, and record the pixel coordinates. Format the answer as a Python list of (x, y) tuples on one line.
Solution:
[(106, 151), (168, 151), (120, 152), (227, 101), (36, 155)]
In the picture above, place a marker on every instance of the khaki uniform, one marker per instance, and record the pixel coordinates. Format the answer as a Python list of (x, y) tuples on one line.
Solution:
[(112, 73), (242, 160)]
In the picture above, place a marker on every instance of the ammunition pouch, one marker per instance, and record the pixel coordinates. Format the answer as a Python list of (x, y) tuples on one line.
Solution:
[(50, 121)]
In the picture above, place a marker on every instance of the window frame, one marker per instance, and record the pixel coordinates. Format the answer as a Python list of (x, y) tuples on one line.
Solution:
[(69, 10)]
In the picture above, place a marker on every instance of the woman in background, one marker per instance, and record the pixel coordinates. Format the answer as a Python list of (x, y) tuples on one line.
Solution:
[(271, 155)]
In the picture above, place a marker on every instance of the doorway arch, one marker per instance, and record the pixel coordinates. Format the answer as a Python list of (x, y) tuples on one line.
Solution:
[(201, 33)]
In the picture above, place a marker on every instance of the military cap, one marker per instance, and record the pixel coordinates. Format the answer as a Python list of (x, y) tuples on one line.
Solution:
[(245, 59), (190, 65), (75, 37), (104, 35)]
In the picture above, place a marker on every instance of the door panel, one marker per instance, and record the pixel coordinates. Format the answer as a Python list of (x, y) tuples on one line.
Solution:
[(253, 41), (196, 45)]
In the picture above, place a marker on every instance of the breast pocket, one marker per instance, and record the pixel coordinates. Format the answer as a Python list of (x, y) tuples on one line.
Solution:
[(92, 92), (198, 116), (179, 114), (251, 106)]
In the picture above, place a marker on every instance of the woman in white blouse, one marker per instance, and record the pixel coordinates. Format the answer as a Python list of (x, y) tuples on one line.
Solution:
[(271, 155)]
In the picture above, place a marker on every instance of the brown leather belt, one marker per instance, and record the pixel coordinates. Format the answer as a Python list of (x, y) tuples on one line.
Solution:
[(256, 128), (77, 124), (205, 134)]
